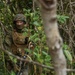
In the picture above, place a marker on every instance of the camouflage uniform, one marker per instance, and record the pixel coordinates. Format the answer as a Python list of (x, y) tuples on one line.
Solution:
[(16, 43)]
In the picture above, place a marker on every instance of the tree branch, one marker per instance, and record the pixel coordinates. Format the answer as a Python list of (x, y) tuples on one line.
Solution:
[(28, 61), (32, 62), (5, 31)]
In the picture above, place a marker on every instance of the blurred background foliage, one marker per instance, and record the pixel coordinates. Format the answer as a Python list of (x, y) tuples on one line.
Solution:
[(66, 23)]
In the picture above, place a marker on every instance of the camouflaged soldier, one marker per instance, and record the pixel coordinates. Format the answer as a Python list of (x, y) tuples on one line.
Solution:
[(16, 43)]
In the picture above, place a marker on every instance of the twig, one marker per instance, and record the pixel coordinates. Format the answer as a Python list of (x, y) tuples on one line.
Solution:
[(2, 26), (70, 70), (5, 31)]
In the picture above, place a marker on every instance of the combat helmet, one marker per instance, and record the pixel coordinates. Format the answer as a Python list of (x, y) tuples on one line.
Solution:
[(19, 17)]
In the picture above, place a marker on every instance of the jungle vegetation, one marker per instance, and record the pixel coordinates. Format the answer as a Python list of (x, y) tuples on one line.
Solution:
[(66, 23)]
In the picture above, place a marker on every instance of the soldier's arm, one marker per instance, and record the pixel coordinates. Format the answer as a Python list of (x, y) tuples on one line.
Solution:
[(29, 42), (31, 45)]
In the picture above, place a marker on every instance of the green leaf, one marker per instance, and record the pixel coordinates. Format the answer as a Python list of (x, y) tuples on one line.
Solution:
[(68, 56), (62, 18), (65, 46), (35, 53), (37, 39), (39, 28), (12, 73), (44, 53), (34, 36), (13, 59), (36, 23), (31, 14)]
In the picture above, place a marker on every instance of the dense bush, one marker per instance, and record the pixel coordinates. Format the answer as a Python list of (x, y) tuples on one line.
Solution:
[(66, 21)]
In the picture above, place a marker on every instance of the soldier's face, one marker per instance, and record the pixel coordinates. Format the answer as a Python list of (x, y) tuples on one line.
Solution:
[(20, 24)]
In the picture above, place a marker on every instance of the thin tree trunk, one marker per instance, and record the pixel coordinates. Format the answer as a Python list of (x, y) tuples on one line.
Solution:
[(54, 40)]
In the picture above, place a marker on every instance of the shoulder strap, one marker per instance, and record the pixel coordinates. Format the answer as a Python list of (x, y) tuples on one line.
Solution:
[(14, 36)]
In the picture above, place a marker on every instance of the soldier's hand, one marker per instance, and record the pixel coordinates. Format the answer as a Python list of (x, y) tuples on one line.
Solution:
[(31, 45)]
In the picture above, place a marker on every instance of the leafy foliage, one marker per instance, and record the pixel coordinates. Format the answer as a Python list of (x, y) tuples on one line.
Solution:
[(62, 18), (67, 53), (8, 8)]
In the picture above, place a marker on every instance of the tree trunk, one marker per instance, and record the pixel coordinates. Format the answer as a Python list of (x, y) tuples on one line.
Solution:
[(54, 41)]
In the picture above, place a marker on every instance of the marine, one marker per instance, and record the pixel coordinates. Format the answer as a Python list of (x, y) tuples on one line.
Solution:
[(16, 43)]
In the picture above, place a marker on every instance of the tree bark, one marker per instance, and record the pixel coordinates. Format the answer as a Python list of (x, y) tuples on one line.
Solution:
[(54, 41)]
